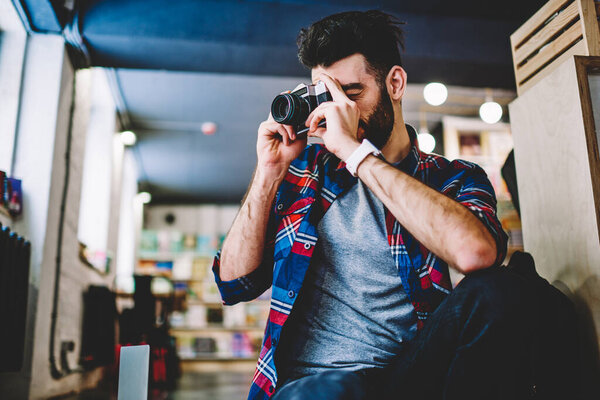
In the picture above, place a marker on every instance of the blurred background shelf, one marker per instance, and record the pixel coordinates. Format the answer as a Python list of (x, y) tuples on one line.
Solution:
[(216, 328), (220, 358)]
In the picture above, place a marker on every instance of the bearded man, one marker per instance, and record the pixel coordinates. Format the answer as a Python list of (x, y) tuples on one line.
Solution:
[(356, 236)]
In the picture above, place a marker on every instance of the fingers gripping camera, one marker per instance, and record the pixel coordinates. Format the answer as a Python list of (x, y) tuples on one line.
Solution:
[(293, 108)]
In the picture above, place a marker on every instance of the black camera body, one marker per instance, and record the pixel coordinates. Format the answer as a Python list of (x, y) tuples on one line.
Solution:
[(293, 108)]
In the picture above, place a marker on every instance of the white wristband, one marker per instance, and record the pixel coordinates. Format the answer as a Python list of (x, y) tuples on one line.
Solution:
[(360, 154)]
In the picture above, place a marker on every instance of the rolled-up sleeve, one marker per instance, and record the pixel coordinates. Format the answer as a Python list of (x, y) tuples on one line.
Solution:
[(477, 194), (252, 285)]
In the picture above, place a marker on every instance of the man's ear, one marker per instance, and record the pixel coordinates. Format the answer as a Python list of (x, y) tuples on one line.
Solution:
[(395, 83)]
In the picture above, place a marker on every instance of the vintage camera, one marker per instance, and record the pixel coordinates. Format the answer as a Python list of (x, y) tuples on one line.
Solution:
[(293, 108)]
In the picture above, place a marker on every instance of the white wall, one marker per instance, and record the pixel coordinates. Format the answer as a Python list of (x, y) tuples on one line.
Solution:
[(129, 225), (34, 158), (98, 166), (40, 163)]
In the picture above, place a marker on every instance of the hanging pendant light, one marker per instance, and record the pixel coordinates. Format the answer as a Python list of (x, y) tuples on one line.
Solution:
[(490, 111)]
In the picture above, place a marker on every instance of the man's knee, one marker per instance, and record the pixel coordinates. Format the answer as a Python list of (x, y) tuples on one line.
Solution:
[(498, 291), (330, 385), (497, 281)]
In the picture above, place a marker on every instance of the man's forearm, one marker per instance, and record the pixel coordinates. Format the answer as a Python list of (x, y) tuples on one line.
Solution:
[(243, 247), (442, 225)]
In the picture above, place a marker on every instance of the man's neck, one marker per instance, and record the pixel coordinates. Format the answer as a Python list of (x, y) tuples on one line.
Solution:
[(398, 145)]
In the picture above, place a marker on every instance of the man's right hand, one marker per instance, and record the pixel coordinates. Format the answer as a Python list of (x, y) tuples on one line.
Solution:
[(244, 246), (277, 146)]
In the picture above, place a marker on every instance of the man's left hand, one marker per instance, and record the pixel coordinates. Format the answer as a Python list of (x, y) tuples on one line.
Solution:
[(342, 116)]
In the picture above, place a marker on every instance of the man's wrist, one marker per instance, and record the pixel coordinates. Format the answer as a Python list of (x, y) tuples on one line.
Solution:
[(265, 173), (348, 149), (266, 181), (368, 162), (360, 153)]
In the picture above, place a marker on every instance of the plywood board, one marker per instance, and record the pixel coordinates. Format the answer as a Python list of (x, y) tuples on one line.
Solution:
[(577, 49), (558, 211), (588, 76), (549, 52), (525, 31), (544, 35)]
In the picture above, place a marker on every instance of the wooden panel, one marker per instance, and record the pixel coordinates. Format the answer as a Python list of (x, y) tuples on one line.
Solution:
[(533, 48), (558, 46), (558, 209), (588, 76), (589, 21), (531, 25), (540, 38), (578, 49), (551, 130)]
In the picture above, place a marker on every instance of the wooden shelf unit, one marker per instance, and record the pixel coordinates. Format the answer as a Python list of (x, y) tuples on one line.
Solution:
[(560, 29)]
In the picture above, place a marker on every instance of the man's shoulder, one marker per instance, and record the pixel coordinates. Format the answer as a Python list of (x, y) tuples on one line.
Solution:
[(436, 162)]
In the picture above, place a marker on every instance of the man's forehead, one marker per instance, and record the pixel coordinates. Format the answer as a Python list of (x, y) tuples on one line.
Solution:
[(349, 70)]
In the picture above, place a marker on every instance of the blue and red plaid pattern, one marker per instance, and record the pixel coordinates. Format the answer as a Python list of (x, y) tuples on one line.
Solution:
[(312, 183)]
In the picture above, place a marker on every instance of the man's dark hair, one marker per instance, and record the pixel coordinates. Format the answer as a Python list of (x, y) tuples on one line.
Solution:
[(374, 34)]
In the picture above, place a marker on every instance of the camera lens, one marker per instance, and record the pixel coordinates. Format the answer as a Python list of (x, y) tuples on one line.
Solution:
[(289, 109)]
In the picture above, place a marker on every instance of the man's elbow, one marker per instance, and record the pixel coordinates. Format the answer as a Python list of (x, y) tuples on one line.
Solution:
[(477, 256)]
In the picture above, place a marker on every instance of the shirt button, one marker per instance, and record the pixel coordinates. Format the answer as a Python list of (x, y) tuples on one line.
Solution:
[(271, 388), (274, 341), (279, 206), (307, 246), (291, 294)]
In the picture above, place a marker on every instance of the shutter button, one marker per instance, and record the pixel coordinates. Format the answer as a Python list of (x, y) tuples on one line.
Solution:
[(291, 294), (307, 246)]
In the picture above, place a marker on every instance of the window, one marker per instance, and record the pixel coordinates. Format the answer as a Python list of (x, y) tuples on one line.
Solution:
[(97, 181)]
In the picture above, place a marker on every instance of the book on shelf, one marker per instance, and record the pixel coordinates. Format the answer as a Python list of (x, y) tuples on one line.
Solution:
[(175, 242), (196, 316)]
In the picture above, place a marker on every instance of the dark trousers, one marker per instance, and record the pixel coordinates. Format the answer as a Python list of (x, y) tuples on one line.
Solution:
[(476, 345)]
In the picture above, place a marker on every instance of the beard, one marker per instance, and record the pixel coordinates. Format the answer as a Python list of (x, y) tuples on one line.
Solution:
[(378, 126)]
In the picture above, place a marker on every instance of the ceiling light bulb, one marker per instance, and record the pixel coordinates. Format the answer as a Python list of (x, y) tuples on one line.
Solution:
[(435, 93), (490, 112), (209, 128), (426, 141), (128, 138), (144, 197)]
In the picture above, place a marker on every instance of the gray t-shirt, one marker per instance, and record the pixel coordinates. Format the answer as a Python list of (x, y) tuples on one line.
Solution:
[(352, 312)]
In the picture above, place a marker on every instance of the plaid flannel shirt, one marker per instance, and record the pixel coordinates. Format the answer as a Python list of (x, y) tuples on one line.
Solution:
[(312, 183)]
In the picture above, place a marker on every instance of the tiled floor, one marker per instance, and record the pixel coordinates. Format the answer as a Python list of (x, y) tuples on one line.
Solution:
[(192, 386), (212, 386)]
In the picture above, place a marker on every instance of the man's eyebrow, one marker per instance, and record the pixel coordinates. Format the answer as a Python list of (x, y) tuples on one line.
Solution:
[(351, 86)]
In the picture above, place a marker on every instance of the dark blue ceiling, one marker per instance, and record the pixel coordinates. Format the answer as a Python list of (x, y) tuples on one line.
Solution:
[(460, 42), (178, 63)]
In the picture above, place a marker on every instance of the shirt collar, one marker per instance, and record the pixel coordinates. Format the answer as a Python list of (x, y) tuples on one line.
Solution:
[(408, 164)]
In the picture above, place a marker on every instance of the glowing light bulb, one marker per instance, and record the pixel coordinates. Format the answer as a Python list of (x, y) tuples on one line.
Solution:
[(435, 93), (426, 141), (209, 128), (144, 197), (490, 112), (128, 138)]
